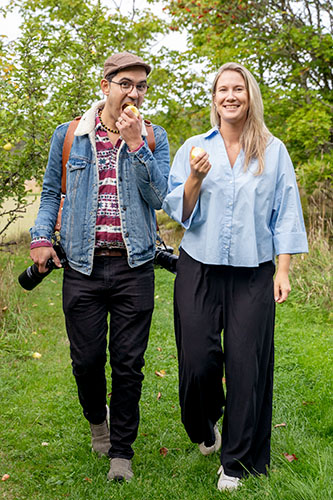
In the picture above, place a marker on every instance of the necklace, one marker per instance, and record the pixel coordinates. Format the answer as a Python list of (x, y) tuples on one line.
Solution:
[(113, 131)]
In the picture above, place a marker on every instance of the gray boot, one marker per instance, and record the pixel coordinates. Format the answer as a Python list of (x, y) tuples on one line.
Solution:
[(120, 469), (100, 438)]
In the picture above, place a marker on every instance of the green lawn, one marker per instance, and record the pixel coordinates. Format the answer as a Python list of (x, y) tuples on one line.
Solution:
[(45, 441)]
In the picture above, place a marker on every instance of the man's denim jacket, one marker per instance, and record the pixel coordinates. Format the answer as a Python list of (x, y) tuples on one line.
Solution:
[(142, 180)]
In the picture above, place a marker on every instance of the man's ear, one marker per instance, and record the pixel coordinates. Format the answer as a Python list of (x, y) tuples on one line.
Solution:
[(105, 86)]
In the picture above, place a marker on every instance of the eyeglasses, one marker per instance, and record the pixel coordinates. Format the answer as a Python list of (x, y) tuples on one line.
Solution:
[(127, 87)]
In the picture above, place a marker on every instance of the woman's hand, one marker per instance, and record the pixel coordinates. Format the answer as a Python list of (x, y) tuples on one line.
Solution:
[(200, 167), (282, 286), (199, 164)]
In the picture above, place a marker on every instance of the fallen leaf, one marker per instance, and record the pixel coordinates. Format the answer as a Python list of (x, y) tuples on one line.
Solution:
[(159, 349), (164, 451), (159, 395), (87, 479), (5, 477), (305, 403), (223, 380), (291, 457), (36, 355), (110, 394), (4, 308), (280, 425), (160, 373)]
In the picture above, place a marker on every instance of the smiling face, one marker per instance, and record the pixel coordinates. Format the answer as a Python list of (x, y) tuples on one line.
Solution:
[(116, 97), (231, 98)]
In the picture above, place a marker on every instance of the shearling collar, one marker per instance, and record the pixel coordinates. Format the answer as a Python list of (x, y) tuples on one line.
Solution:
[(87, 122)]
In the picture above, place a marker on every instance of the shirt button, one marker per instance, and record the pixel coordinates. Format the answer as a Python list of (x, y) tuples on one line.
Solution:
[(120, 178), (126, 235), (124, 208)]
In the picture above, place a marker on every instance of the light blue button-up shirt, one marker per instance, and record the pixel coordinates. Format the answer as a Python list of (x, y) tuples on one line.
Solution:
[(240, 219)]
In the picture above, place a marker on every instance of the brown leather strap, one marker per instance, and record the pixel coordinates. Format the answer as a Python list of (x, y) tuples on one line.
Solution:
[(150, 136), (66, 149)]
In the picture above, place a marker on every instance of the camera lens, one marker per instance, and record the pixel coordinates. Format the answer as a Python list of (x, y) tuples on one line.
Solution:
[(166, 260), (31, 277)]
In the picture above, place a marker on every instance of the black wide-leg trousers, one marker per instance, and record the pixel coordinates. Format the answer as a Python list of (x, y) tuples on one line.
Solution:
[(239, 301), (127, 294)]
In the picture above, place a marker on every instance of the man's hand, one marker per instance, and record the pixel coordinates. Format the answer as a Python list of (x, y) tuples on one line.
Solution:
[(130, 128), (41, 255)]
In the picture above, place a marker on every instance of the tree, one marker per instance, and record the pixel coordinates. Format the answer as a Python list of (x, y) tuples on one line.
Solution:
[(288, 46), (51, 74)]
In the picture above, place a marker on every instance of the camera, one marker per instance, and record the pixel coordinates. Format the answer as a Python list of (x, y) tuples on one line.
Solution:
[(164, 257), (31, 277)]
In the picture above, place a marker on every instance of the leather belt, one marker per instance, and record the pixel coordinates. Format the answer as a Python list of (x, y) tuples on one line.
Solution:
[(110, 252)]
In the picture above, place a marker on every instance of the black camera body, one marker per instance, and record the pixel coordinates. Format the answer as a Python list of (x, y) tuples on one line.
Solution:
[(165, 258), (31, 277)]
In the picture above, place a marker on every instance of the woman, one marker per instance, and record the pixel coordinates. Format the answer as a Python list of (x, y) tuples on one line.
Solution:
[(239, 203)]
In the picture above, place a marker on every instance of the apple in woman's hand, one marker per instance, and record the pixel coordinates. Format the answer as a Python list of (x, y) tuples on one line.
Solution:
[(195, 151)]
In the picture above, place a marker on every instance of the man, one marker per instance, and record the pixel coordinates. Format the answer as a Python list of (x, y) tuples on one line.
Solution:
[(114, 184)]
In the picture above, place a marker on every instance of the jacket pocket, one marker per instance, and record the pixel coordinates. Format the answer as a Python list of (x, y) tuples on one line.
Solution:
[(76, 163), (77, 171)]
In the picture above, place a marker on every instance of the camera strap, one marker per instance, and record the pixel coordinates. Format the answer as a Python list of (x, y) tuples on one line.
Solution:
[(66, 149)]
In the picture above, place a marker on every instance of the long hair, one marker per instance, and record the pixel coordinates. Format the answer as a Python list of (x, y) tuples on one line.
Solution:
[(255, 134)]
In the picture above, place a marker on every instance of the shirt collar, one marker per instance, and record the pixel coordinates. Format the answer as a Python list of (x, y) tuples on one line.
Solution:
[(98, 125), (213, 131)]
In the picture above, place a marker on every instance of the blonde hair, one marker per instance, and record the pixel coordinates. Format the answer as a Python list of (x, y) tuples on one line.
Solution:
[(255, 134)]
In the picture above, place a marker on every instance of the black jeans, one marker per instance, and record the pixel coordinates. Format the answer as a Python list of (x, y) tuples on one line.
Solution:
[(128, 295), (239, 301)]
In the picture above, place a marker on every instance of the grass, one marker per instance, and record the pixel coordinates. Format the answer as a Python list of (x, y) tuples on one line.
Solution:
[(45, 445)]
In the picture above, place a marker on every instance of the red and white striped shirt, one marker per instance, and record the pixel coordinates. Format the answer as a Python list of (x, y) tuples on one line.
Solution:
[(108, 225)]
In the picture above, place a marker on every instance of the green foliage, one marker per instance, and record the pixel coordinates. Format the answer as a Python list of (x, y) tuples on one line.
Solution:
[(311, 275), (180, 98), (288, 46), (51, 74)]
